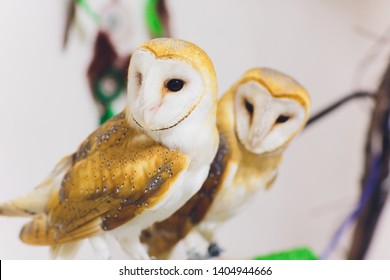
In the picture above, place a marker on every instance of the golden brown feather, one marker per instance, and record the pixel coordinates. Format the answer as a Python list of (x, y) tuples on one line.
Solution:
[(114, 177)]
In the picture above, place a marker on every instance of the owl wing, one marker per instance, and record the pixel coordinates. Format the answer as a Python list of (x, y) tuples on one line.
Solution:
[(113, 130), (116, 178), (163, 236), (35, 201)]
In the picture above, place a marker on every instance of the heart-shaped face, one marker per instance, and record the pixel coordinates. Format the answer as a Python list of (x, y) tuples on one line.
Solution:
[(167, 81), (269, 110)]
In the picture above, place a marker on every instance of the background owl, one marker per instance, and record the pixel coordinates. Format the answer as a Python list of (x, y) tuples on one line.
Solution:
[(140, 166), (257, 118)]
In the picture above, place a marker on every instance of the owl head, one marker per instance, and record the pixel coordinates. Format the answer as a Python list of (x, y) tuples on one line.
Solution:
[(172, 96), (168, 81), (270, 108)]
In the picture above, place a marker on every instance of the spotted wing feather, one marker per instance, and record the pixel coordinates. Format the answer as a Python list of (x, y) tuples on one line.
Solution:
[(117, 174)]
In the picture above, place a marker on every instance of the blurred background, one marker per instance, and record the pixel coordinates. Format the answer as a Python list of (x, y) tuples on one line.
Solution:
[(332, 47)]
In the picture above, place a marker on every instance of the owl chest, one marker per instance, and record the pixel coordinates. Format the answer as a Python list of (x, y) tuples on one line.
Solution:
[(235, 196), (178, 194), (186, 186)]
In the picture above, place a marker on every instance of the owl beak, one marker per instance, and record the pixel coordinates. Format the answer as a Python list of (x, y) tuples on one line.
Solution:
[(260, 128), (149, 114)]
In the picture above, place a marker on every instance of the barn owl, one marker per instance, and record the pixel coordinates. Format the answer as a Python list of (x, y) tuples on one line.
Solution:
[(256, 118), (140, 166)]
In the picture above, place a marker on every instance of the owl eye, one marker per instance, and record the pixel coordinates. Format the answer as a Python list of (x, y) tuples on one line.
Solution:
[(282, 119), (174, 85), (249, 107)]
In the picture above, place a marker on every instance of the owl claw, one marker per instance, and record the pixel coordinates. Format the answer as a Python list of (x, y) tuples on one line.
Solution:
[(214, 250)]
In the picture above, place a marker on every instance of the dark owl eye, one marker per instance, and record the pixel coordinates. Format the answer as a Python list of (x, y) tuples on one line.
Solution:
[(249, 107), (282, 119), (174, 85)]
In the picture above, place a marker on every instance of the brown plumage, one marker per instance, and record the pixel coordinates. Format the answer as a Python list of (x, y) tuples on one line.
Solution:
[(115, 175), (140, 166)]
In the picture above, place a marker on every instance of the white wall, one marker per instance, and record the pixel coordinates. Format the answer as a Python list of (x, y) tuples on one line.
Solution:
[(46, 109)]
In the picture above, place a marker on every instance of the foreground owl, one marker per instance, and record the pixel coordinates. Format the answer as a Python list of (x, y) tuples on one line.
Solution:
[(256, 118), (140, 166)]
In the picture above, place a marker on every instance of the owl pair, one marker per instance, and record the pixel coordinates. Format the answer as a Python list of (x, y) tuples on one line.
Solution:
[(171, 162)]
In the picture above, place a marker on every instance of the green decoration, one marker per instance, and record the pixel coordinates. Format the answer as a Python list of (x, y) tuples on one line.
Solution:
[(104, 95), (108, 87), (153, 21), (108, 113), (301, 253), (87, 8)]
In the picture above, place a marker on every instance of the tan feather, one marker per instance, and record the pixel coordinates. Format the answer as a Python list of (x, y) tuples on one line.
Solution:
[(114, 177), (35, 201), (140, 166)]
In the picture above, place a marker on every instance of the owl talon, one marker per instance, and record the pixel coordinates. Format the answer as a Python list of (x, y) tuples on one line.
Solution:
[(214, 250)]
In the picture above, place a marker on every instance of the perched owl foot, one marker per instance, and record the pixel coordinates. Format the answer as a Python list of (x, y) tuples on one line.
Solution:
[(214, 250)]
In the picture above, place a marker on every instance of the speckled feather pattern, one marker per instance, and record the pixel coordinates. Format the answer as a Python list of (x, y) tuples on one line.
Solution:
[(117, 173), (124, 177)]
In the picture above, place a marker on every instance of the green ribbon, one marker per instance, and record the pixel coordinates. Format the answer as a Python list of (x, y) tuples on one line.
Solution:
[(107, 98), (153, 21), (300, 253), (108, 114)]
